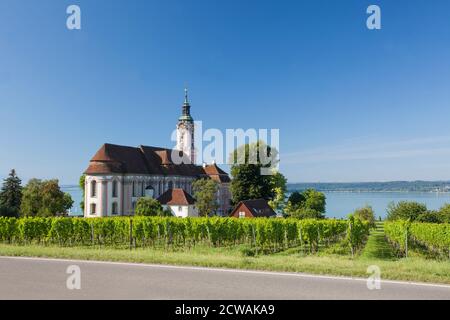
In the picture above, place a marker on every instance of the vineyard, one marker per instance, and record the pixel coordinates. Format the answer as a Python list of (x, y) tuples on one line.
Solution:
[(434, 237), (267, 234)]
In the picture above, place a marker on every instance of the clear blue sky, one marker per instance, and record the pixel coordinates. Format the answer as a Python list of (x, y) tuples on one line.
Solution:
[(351, 104)]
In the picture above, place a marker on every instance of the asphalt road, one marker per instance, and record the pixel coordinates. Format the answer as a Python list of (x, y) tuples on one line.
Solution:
[(34, 278)]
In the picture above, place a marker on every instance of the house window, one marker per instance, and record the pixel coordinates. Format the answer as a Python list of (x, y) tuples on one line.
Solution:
[(134, 205), (170, 185), (114, 208), (142, 189), (94, 188), (241, 214), (180, 208), (114, 189), (93, 208)]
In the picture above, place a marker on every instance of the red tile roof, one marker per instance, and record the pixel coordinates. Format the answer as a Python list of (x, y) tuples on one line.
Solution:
[(112, 158), (177, 197), (258, 208), (217, 174)]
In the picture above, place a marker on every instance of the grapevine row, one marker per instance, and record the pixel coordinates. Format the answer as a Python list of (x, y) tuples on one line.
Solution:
[(435, 237), (168, 231)]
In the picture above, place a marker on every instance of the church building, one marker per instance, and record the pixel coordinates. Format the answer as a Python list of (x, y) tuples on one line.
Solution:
[(117, 176)]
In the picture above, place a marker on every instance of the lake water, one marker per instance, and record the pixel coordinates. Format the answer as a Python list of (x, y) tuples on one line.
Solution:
[(339, 204)]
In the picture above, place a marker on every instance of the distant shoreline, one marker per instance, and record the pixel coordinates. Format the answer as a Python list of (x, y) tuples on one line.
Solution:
[(388, 186), (376, 191), (433, 187)]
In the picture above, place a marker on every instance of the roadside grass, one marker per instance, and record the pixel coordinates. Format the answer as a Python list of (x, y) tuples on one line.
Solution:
[(377, 246), (407, 269)]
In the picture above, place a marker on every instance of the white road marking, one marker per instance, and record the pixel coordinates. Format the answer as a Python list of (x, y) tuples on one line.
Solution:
[(272, 273)]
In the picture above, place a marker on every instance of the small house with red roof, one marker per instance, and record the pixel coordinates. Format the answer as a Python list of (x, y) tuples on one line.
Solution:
[(257, 208), (179, 202)]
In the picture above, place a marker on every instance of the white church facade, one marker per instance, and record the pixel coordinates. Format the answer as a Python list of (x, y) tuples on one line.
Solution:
[(117, 176)]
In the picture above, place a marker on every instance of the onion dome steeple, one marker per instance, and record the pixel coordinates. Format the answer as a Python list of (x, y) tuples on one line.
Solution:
[(186, 111)]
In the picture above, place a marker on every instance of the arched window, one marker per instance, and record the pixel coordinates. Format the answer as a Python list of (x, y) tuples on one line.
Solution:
[(170, 185), (114, 189), (93, 188), (114, 208), (143, 189)]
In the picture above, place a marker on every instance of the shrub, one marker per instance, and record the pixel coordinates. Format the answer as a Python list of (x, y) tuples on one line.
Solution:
[(365, 214), (405, 210), (147, 206)]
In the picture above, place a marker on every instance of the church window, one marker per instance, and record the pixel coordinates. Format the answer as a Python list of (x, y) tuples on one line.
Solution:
[(114, 189), (94, 188), (170, 185)]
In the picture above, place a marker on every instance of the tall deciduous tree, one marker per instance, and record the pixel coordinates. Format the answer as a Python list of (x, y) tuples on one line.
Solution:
[(11, 195), (315, 200), (205, 191), (308, 204), (44, 198), (247, 163), (279, 187)]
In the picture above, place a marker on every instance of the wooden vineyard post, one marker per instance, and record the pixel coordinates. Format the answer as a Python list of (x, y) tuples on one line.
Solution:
[(254, 238), (131, 233), (301, 240), (92, 234), (406, 242), (351, 238)]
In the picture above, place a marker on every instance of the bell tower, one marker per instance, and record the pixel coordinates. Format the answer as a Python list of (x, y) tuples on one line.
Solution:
[(185, 130)]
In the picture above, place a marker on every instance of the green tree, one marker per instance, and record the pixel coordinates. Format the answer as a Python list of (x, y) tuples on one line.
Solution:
[(405, 210), (81, 183), (295, 201), (247, 163), (44, 198), (277, 203), (308, 204), (278, 180), (365, 214), (444, 213), (147, 206), (205, 191), (315, 200), (11, 195), (279, 188)]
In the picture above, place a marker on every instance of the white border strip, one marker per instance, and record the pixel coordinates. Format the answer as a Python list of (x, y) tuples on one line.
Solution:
[(271, 273)]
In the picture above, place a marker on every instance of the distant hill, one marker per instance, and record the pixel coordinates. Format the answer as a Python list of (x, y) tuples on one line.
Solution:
[(389, 186)]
